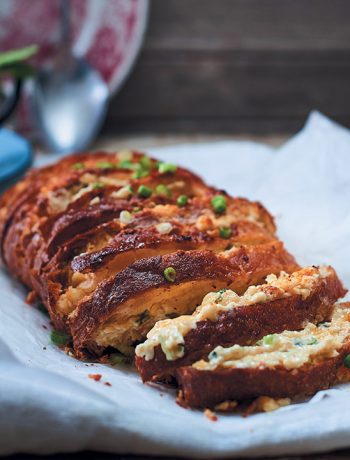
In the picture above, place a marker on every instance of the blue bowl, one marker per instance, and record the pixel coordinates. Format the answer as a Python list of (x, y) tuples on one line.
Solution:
[(15, 156)]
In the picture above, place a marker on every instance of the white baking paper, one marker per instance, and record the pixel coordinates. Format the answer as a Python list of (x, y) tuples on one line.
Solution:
[(47, 402)]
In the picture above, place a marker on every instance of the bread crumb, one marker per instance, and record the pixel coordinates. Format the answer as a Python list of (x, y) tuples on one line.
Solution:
[(96, 377), (266, 404), (210, 415), (108, 384), (95, 200), (31, 297), (226, 406)]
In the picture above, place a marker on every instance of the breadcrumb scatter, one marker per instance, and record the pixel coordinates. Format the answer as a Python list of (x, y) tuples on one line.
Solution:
[(96, 377), (108, 384), (226, 406), (266, 404), (210, 415), (31, 297)]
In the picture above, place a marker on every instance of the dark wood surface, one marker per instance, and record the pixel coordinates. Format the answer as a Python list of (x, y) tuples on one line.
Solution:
[(237, 66), (339, 455)]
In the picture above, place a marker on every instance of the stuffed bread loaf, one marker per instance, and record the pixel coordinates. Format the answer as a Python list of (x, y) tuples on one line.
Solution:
[(116, 244), (112, 243)]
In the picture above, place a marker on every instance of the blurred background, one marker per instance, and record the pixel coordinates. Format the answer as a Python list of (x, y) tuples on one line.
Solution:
[(183, 69), (238, 66)]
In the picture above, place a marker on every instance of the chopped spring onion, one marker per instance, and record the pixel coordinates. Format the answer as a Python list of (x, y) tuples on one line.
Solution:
[(60, 338), (165, 168), (182, 200), (78, 166), (225, 232), (163, 190), (219, 204), (170, 274), (144, 191)]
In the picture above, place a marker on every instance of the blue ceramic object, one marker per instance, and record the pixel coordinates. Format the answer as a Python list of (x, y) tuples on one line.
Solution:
[(15, 156)]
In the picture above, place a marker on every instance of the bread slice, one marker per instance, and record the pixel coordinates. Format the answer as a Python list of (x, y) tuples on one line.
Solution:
[(62, 230), (293, 363), (123, 309), (225, 318), (162, 229), (64, 235)]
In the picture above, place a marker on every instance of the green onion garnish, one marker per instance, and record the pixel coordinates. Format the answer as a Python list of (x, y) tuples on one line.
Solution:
[(163, 190), (139, 173), (117, 359), (347, 361), (43, 309), (60, 338), (225, 232), (269, 339), (170, 274), (144, 191), (165, 168), (219, 203), (106, 165), (182, 200), (78, 166), (97, 185), (127, 164), (145, 162)]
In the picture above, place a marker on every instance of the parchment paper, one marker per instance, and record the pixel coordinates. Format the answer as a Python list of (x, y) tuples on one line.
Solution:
[(47, 402)]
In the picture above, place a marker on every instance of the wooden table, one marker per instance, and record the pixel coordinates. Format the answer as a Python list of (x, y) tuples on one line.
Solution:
[(237, 66), (337, 455), (144, 142)]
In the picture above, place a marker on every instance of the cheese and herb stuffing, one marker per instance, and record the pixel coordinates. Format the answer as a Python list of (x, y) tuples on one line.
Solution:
[(135, 168), (290, 349), (170, 333)]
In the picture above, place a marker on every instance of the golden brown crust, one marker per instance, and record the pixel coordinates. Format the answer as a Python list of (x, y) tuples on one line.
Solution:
[(246, 325), (238, 269), (201, 389)]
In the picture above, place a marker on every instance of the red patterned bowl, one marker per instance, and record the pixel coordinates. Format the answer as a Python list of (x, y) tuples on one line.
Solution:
[(108, 33)]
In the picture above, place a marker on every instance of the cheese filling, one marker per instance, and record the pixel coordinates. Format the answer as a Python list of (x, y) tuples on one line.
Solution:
[(59, 200), (290, 349), (170, 334)]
